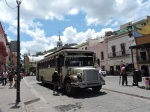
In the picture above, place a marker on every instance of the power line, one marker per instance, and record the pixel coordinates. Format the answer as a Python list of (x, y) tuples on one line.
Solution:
[(10, 6)]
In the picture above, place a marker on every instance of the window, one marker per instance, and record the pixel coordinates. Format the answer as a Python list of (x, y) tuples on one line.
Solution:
[(143, 24), (102, 55), (122, 46), (114, 50)]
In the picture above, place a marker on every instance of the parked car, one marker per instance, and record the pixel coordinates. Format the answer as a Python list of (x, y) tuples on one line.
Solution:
[(102, 72)]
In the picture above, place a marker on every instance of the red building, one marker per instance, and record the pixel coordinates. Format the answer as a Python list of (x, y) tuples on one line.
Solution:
[(3, 48)]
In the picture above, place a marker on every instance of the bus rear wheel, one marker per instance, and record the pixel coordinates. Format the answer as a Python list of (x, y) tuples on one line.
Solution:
[(42, 79), (68, 89)]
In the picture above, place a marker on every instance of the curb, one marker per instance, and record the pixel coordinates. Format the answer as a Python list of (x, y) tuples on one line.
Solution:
[(139, 96)]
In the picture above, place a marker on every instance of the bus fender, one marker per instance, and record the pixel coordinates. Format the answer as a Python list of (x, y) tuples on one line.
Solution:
[(71, 78)]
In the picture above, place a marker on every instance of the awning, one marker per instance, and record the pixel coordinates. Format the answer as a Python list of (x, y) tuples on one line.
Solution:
[(141, 46)]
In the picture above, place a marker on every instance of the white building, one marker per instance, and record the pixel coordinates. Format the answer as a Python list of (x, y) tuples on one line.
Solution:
[(118, 51)]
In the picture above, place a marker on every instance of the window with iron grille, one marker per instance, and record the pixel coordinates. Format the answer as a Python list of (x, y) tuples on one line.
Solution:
[(123, 50), (114, 50)]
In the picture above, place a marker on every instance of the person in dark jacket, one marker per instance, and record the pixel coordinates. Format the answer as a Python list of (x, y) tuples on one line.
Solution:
[(10, 75), (55, 81), (124, 75)]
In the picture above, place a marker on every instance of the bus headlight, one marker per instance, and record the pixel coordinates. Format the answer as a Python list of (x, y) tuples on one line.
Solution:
[(79, 75)]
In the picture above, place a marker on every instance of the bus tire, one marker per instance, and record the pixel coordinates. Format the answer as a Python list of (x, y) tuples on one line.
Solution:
[(97, 88), (68, 89)]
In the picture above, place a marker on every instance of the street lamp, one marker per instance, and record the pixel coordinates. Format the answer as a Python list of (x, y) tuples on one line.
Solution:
[(130, 34), (18, 53)]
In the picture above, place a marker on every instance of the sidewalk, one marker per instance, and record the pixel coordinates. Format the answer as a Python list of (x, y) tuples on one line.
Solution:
[(29, 97), (128, 90), (8, 98)]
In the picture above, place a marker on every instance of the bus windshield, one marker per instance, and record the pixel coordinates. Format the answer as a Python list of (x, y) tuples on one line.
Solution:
[(79, 61)]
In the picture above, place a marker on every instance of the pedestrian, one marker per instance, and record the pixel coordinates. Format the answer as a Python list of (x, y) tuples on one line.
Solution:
[(55, 81), (124, 75), (10, 76), (4, 77), (142, 72), (147, 82), (21, 75), (15, 79)]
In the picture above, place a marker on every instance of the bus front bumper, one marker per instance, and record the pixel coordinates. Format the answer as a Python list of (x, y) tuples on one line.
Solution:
[(87, 84)]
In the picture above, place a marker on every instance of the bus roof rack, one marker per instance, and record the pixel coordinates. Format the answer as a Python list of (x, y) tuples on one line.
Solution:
[(65, 47)]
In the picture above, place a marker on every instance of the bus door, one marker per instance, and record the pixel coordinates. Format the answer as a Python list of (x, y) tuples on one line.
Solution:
[(37, 72), (60, 64)]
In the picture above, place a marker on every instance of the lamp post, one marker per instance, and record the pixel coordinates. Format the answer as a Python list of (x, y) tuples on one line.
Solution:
[(18, 53), (130, 34)]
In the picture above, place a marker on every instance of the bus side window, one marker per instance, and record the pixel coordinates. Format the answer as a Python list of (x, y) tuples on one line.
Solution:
[(61, 60), (67, 62)]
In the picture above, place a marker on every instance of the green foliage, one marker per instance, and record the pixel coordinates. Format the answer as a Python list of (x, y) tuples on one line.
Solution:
[(39, 53), (27, 67), (52, 50), (33, 69)]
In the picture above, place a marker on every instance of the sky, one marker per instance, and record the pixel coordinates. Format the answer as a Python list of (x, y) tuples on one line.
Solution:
[(76, 20)]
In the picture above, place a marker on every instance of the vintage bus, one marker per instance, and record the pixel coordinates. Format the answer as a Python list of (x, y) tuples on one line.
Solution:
[(75, 67)]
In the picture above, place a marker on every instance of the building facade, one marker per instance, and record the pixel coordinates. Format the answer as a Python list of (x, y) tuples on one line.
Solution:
[(100, 49), (3, 49)]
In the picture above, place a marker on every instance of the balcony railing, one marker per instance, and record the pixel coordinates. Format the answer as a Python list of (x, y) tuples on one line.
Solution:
[(142, 59), (118, 54)]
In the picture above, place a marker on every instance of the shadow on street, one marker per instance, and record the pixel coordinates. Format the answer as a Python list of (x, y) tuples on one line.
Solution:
[(80, 93)]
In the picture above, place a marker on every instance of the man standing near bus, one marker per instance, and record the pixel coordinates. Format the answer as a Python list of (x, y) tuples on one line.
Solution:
[(55, 81)]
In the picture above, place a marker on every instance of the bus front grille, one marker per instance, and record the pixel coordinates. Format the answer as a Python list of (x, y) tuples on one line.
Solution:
[(91, 75)]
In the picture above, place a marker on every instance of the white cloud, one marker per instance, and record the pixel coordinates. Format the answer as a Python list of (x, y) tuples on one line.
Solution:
[(96, 12), (114, 24), (9, 39), (73, 11), (41, 43)]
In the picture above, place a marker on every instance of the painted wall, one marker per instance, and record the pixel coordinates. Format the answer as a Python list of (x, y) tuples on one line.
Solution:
[(117, 40), (100, 46)]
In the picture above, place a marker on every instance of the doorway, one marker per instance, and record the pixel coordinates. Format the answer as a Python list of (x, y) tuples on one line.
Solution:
[(143, 55), (117, 69), (111, 70), (145, 70)]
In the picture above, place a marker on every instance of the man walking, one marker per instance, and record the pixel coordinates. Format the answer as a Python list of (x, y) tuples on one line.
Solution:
[(124, 75), (4, 77), (55, 81)]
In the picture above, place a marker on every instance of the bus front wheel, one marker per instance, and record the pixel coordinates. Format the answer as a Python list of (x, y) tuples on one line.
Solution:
[(68, 89)]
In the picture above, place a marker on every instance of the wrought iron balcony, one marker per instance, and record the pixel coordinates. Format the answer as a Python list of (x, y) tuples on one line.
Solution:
[(118, 54)]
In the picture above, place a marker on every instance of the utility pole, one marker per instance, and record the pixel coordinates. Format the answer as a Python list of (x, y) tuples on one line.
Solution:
[(18, 53), (135, 77)]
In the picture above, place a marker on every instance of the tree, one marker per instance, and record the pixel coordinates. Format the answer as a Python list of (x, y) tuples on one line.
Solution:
[(39, 53)]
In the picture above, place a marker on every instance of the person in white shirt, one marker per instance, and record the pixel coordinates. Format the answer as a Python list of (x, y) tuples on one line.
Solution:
[(15, 79), (4, 77)]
